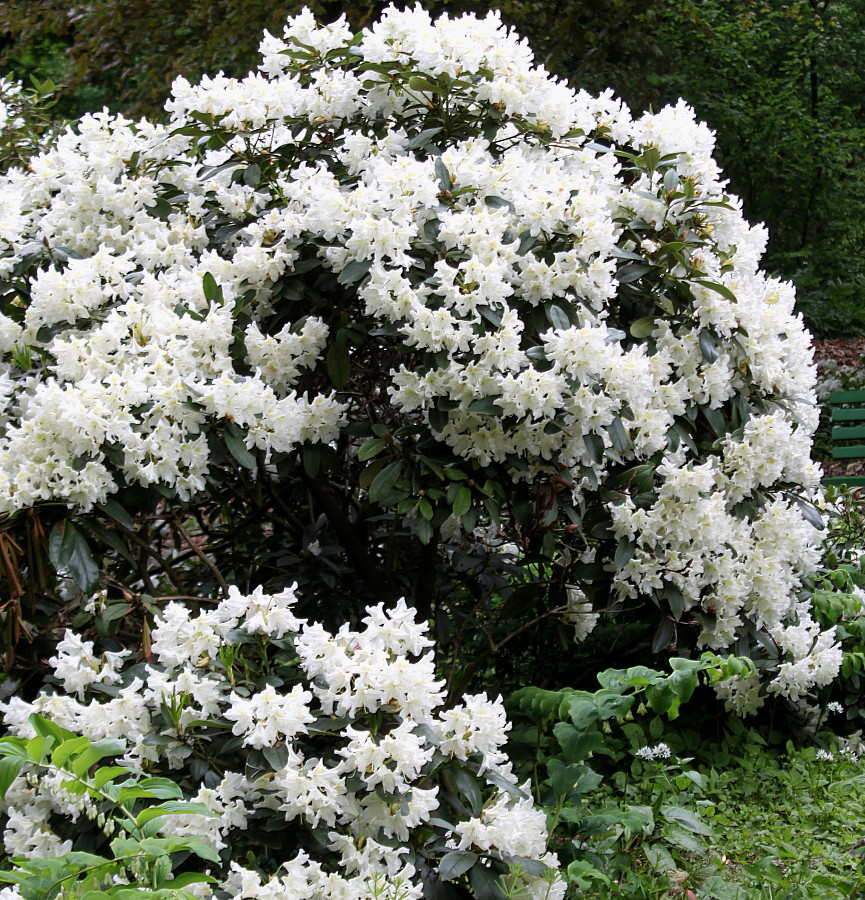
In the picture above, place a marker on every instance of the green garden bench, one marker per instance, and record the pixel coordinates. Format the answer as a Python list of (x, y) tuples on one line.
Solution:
[(848, 432)]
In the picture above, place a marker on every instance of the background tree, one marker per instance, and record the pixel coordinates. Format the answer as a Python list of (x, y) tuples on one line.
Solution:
[(782, 84), (97, 50)]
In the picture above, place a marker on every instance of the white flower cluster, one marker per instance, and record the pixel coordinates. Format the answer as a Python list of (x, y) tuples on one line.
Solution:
[(369, 786), (810, 658), (693, 538), (496, 259), (580, 613), (659, 751)]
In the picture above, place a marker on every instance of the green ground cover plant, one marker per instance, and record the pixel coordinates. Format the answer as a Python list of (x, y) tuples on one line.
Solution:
[(656, 809)]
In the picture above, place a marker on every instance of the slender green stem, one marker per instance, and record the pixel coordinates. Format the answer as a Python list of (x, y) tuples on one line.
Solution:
[(91, 788)]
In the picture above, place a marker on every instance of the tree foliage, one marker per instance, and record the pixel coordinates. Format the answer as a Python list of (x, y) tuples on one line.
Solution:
[(108, 62), (782, 84)]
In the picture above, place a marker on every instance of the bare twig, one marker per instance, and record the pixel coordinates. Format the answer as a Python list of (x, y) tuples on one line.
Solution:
[(202, 556)]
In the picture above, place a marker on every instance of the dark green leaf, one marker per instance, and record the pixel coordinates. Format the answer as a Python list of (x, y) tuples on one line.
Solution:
[(503, 784), (424, 530), (468, 786), (644, 327), (212, 291), (618, 435), (671, 180), (810, 514), (115, 511), (311, 457), (715, 418), (423, 138), (456, 863), (527, 241), (625, 553), (238, 449), (485, 406), (709, 345), (499, 203), (110, 539), (383, 483), (371, 448), (338, 360), (663, 636), (81, 566), (633, 272), (677, 602), (485, 884), (355, 270), (462, 501), (558, 317), (595, 446), (443, 175), (725, 292), (61, 544), (252, 176)]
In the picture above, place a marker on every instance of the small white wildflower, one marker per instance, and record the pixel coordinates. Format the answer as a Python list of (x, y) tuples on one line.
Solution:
[(659, 751)]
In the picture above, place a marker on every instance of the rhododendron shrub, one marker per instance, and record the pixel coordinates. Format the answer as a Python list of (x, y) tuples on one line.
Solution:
[(337, 774), (391, 302)]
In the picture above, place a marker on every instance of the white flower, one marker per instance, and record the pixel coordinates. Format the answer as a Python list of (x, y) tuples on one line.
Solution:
[(581, 613), (260, 613), (77, 667), (267, 717), (659, 751)]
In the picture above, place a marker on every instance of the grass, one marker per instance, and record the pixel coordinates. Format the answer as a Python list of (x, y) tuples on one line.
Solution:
[(770, 823)]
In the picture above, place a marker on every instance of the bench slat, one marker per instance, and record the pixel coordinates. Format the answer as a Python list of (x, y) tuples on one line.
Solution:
[(847, 407), (846, 397), (848, 415), (848, 434), (855, 452)]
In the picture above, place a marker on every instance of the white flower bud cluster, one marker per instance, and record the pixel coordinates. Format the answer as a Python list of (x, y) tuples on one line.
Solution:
[(369, 784)]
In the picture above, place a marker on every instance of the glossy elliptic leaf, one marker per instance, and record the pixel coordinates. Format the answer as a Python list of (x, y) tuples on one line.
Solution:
[(238, 449), (456, 863), (10, 767)]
